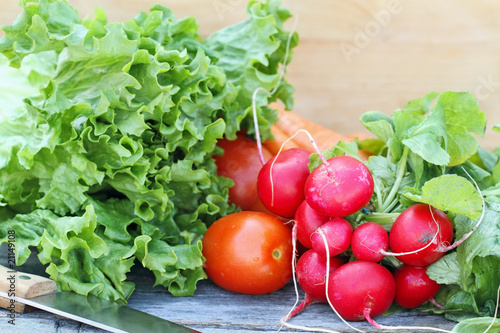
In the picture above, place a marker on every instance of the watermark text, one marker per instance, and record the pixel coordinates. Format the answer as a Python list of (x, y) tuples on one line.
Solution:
[(222, 7), (11, 276), (363, 37)]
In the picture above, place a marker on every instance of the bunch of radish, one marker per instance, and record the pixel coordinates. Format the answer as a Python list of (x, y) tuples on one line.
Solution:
[(341, 265)]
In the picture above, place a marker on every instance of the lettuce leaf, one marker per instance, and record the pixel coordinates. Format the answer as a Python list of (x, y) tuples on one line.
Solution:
[(473, 325), (265, 57), (108, 134)]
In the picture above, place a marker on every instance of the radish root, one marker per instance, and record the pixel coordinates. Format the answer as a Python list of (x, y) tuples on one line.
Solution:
[(316, 148), (384, 327), (444, 248), (377, 325), (433, 301), (297, 309), (256, 91), (294, 264), (325, 241), (254, 109), (496, 311)]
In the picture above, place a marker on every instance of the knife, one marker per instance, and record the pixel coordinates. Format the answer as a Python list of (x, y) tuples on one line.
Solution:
[(19, 291)]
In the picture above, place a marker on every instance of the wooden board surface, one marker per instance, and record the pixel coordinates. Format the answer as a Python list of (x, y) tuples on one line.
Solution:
[(213, 310), (357, 55)]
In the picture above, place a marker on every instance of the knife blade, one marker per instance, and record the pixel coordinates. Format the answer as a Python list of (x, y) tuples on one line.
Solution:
[(90, 309)]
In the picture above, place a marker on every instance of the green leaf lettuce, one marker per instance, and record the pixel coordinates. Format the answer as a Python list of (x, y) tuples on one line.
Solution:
[(108, 132)]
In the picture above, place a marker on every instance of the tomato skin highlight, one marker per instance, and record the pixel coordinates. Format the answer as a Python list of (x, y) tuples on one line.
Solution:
[(341, 189), (281, 180), (413, 286), (240, 162), (248, 252), (414, 228)]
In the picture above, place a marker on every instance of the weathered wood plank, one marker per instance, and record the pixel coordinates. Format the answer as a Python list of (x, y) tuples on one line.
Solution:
[(212, 310)]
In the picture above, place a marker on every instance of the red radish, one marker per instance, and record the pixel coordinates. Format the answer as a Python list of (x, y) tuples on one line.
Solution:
[(307, 221), (339, 188), (369, 242), (420, 230), (361, 289), (413, 286), (311, 271), (311, 276), (338, 233), (280, 183)]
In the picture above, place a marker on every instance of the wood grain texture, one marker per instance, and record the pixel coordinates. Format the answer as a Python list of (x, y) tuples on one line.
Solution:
[(22, 285), (214, 310), (400, 50)]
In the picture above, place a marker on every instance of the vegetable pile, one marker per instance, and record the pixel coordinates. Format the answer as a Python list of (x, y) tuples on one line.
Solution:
[(108, 132), (415, 225), (400, 229), (428, 155), (123, 143)]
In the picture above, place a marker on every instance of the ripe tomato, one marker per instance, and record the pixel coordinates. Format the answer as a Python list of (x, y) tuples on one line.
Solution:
[(240, 162), (248, 252)]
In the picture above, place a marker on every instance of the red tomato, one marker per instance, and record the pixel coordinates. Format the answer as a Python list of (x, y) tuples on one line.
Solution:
[(248, 252), (241, 163)]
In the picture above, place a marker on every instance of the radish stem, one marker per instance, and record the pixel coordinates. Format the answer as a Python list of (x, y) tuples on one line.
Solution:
[(401, 168), (384, 219), (299, 308), (325, 241), (294, 310), (433, 301)]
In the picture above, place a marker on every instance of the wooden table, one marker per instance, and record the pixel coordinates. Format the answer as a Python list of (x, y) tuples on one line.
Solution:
[(212, 310)]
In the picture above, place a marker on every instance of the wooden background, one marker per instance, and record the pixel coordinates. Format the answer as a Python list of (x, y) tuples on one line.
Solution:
[(356, 56)]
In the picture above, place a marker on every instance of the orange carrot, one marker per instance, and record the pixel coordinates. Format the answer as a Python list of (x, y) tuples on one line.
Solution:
[(357, 136), (279, 139), (289, 123)]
